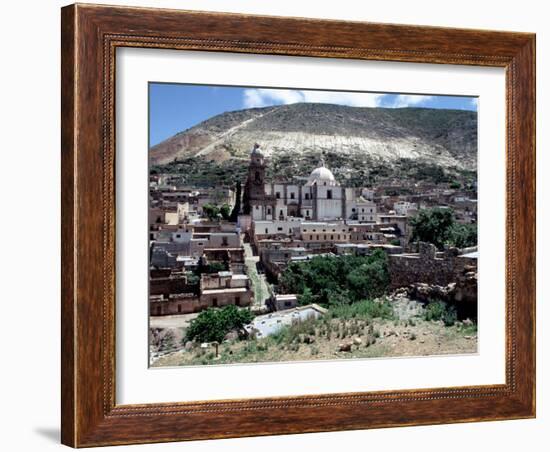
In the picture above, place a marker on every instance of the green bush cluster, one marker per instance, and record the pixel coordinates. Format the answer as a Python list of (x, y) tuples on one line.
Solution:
[(214, 212), (337, 280)]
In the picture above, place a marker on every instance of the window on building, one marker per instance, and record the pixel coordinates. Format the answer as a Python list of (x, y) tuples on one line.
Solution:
[(215, 302), (338, 236), (178, 236), (224, 241), (266, 231), (292, 195), (237, 300), (317, 236), (353, 209), (279, 228), (307, 196), (278, 195), (268, 211), (257, 176), (329, 194), (179, 308)]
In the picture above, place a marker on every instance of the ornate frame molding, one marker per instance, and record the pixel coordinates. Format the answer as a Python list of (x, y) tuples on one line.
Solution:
[(90, 36)]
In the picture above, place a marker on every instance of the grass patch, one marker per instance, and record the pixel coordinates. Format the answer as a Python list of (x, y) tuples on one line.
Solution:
[(369, 309)]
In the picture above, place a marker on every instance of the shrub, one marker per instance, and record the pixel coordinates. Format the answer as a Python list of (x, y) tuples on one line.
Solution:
[(438, 310), (455, 185), (434, 310), (215, 267), (450, 316)]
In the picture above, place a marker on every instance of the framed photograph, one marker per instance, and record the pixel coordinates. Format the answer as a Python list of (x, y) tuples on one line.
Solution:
[(282, 225)]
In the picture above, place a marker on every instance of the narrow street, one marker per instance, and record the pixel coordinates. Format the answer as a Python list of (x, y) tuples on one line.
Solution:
[(259, 284)]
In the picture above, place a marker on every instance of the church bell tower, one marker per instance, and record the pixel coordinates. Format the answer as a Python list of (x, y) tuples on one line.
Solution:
[(256, 202)]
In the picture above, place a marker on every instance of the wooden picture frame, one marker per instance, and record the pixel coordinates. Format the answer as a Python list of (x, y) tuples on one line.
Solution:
[(90, 36)]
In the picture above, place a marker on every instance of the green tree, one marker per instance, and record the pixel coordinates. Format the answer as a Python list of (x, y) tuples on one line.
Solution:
[(237, 207), (433, 226), (306, 297), (225, 211), (336, 280), (370, 279), (439, 227), (213, 324), (211, 211), (463, 235)]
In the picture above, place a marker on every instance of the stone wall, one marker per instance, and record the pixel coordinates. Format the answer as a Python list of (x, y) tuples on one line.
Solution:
[(428, 266)]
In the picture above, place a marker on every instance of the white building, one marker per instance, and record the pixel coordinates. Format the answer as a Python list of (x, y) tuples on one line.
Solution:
[(321, 198), (405, 208)]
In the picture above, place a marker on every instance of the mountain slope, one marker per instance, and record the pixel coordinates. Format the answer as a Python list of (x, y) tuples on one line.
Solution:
[(446, 138)]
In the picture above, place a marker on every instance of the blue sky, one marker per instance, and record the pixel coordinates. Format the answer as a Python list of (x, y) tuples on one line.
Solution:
[(176, 107)]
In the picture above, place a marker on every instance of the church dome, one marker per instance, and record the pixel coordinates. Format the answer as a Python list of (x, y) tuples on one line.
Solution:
[(321, 174), (257, 151)]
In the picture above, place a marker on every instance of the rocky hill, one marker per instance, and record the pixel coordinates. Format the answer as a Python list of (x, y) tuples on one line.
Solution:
[(348, 136)]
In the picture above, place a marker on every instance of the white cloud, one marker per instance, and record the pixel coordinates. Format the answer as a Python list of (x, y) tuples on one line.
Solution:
[(407, 100), (262, 97)]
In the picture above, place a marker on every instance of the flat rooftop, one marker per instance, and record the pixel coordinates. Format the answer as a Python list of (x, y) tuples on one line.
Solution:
[(225, 290)]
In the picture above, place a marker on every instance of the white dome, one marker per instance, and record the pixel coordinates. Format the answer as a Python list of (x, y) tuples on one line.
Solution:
[(257, 151), (321, 174)]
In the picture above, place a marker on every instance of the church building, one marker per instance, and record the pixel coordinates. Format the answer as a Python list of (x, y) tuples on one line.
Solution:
[(321, 198)]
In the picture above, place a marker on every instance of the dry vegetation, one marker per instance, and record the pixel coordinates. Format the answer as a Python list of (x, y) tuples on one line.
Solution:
[(336, 338)]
